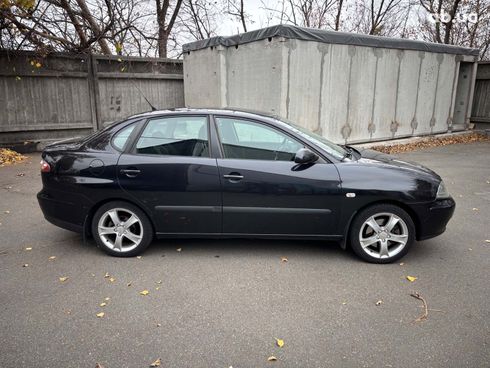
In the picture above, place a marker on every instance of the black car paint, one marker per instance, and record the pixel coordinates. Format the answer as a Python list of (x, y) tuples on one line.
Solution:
[(189, 196)]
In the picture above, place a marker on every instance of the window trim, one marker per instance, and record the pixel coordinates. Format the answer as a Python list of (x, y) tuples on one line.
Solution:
[(321, 155), (132, 148)]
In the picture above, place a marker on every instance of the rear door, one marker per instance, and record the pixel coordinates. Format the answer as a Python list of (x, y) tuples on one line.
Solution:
[(264, 191), (170, 172)]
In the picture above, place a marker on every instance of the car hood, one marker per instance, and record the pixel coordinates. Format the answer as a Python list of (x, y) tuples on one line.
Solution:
[(370, 156)]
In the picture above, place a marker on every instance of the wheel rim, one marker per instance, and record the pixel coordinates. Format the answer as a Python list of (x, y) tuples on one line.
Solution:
[(383, 235), (120, 229)]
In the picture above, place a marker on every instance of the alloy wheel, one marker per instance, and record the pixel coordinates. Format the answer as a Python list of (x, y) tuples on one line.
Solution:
[(120, 229)]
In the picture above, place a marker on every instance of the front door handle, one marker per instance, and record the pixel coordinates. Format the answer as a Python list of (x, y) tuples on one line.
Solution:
[(130, 173), (233, 177)]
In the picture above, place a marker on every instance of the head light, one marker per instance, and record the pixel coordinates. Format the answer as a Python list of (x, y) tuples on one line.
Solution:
[(442, 191)]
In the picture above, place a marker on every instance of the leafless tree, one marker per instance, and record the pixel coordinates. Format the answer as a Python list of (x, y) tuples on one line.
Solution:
[(199, 18), (236, 8), (166, 16)]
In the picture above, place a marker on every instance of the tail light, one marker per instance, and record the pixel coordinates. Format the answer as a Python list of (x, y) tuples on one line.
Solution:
[(45, 168)]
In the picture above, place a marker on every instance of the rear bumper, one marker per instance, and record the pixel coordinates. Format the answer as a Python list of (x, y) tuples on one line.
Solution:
[(433, 217), (65, 213)]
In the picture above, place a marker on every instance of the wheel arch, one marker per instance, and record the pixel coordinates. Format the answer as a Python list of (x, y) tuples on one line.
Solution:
[(403, 206), (87, 225)]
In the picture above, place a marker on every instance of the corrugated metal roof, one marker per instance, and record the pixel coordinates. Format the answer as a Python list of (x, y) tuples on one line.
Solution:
[(318, 35)]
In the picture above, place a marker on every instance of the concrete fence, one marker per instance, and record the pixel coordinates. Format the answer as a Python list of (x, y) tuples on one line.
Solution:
[(64, 96), (480, 112)]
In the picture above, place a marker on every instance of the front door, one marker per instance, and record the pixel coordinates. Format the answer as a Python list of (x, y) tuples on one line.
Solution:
[(169, 172), (265, 192)]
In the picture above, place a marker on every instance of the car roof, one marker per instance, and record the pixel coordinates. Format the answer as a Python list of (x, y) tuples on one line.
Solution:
[(215, 111)]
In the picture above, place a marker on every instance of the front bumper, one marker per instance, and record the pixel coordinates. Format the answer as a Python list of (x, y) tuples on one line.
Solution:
[(433, 217)]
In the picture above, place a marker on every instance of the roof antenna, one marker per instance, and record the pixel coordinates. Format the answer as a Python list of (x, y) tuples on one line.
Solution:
[(153, 108)]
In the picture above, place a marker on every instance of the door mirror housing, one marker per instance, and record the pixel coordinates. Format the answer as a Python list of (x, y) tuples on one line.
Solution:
[(305, 156)]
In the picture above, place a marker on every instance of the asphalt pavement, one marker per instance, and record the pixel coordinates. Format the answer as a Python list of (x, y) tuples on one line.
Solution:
[(222, 303)]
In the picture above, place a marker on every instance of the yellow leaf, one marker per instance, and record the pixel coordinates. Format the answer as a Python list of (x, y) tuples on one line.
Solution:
[(107, 275), (475, 209), (119, 47), (284, 259), (32, 62), (144, 292), (411, 278), (159, 281), (156, 363), (123, 69), (157, 288), (38, 64), (107, 299), (18, 78), (119, 59), (344, 303), (403, 263), (487, 240), (100, 315), (63, 279), (112, 279), (29, 248), (52, 258), (179, 249), (280, 342), (271, 358), (103, 304), (139, 257)]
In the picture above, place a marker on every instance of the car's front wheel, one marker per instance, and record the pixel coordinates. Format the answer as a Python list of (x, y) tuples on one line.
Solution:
[(382, 233), (121, 229)]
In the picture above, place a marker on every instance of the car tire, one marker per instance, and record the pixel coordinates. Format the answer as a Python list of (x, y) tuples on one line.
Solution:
[(121, 229), (382, 233)]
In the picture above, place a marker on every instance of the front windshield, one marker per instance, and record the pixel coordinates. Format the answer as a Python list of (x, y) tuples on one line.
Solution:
[(333, 149)]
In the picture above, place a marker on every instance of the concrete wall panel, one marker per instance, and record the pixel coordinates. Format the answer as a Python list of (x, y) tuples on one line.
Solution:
[(444, 93), (202, 78), (254, 76), (335, 92), (361, 92), (385, 97), (304, 83), (426, 93)]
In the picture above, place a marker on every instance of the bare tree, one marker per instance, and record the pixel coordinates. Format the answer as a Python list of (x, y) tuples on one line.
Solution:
[(199, 18), (236, 9)]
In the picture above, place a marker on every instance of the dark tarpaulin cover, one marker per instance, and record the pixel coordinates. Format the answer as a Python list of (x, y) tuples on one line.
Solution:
[(319, 35)]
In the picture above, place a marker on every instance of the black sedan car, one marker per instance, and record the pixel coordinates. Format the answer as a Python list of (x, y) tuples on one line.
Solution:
[(222, 173)]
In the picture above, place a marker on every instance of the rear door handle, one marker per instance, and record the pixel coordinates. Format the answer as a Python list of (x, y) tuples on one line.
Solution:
[(233, 177), (130, 173)]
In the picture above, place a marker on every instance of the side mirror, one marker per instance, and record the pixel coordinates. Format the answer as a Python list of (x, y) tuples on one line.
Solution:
[(305, 156)]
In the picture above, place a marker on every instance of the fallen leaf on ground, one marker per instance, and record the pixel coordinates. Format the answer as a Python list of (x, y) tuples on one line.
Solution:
[(402, 264), (159, 281), (475, 209), (28, 248), (52, 258), (25, 265), (379, 302), (411, 278), (103, 304), (487, 240), (144, 292), (139, 257), (129, 284), (280, 342), (7, 212), (63, 279), (157, 288), (100, 315), (179, 249), (21, 174), (284, 259), (107, 299), (98, 365), (159, 325), (156, 363), (470, 248), (107, 275), (8, 156), (344, 303), (112, 279), (271, 358)]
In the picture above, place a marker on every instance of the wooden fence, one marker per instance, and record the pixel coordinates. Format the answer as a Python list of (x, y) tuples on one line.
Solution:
[(480, 112), (65, 96)]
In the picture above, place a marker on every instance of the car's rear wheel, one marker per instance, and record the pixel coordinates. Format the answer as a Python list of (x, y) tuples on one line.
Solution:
[(382, 233), (121, 229)]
